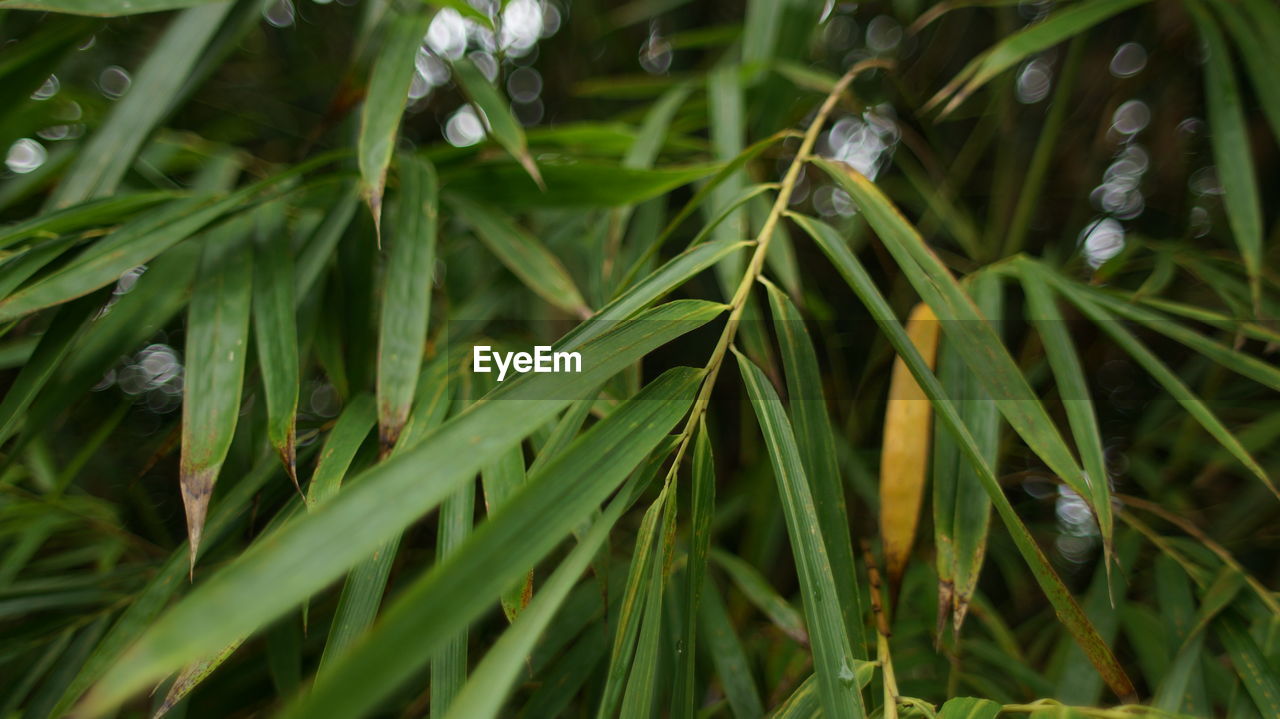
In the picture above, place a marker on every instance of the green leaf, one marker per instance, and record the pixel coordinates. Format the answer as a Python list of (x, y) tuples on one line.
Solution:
[(1251, 665), (66, 327), (538, 517), (1074, 390), (105, 8), (1231, 153), (1013, 49), (91, 213), (642, 684), (389, 80), (578, 184), (496, 114), (631, 608), (449, 661), (969, 708), (818, 452), (958, 493), (276, 332), (524, 255), (340, 447), (701, 514), (217, 341), (406, 298), (308, 553), (102, 163), (654, 286), (728, 656), (500, 480), (757, 590), (147, 604), (1251, 23), (832, 657), (1065, 606)]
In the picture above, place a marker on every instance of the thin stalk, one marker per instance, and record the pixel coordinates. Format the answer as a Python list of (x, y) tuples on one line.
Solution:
[(756, 264)]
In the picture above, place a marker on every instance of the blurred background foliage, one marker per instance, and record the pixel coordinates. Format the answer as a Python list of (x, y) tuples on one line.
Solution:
[(1101, 187)]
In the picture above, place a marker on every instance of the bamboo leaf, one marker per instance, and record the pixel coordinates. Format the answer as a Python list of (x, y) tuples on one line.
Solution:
[(406, 299), (496, 113), (701, 514), (353, 425), (1231, 153), (631, 607), (757, 590), (136, 243), (818, 452), (217, 341), (1075, 393), (103, 8), (832, 657), (389, 81), (527, 258), (57, 340), (904, 457), (570, 185), (500, 480), (1251, 665), (311, 551), (449, 662), (969, 708), (91, 213), (729, 657), (276, 332), (1250, 23)]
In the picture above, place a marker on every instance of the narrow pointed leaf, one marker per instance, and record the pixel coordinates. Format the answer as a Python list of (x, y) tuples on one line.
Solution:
[(217, 341), (276, 332), (1166, 377), (406, 298), (832, 656), (102, 8), (818, 452), (701, 513), (499, 120), (353, 425), (524, 255), (1074, 390), (389, 81), (1231, 152), (493, 678)]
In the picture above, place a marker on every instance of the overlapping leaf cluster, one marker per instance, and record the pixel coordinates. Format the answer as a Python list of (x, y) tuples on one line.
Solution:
[(807, 379)]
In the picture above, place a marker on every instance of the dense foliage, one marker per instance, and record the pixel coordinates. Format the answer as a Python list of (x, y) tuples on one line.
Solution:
[(926, 358)]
